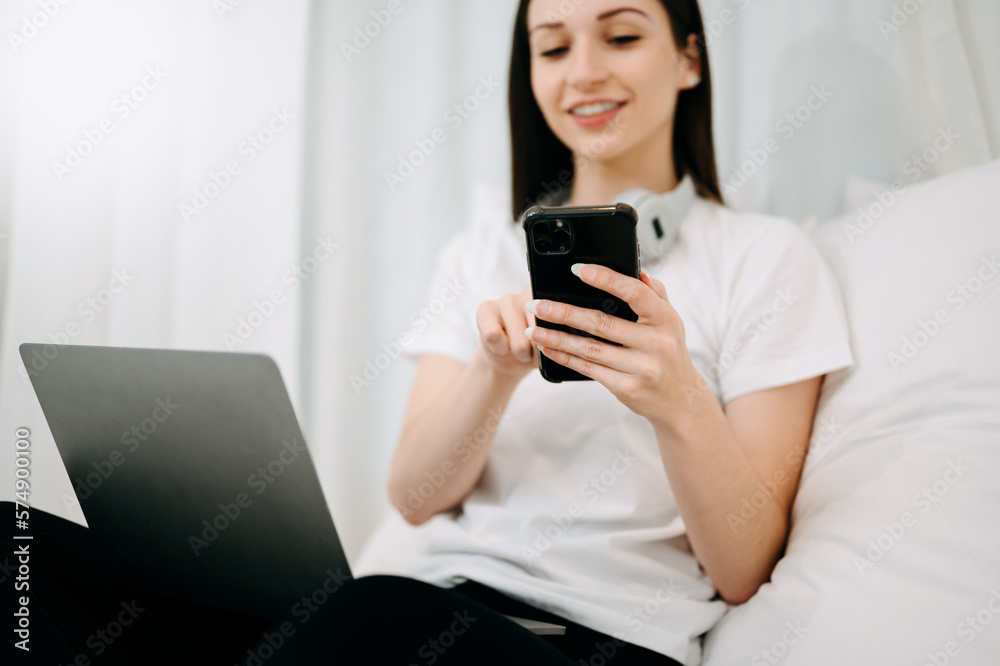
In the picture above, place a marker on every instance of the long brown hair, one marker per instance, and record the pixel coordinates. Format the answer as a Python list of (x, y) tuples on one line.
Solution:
[(541, 163)]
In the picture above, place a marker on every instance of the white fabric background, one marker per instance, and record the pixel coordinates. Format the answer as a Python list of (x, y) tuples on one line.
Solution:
[(324, 175), (119, 210)]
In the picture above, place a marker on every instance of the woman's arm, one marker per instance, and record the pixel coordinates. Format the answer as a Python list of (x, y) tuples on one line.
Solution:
[(455, 410), (715, 464), (453, 414), (734, 474)]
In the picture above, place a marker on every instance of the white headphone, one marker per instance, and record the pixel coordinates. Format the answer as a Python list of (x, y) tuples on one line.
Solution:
[(660, 217)]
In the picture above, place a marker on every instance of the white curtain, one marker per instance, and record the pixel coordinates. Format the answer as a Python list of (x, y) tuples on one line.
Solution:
[(355, 88), (114, 113), (892, 75), (374, 107)]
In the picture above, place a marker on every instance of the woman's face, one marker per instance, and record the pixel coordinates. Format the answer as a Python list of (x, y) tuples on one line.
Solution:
[(606, 73)]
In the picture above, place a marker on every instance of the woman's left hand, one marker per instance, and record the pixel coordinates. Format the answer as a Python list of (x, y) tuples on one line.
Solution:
[(651, 373)]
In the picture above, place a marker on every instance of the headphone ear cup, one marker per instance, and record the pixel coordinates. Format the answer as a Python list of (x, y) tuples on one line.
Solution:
[(658, 223), (660, 217)]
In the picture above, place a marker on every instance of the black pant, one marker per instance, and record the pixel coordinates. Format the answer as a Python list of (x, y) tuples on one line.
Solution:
[(81, 613)]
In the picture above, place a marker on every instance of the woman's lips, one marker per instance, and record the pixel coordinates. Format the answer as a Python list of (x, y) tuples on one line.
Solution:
[(599, 119)]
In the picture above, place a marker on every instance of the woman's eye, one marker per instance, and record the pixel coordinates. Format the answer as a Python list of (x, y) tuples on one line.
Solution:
[(624, 39), (554, 52)]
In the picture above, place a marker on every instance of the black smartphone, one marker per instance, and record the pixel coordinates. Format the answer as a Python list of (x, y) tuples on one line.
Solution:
[(560, 236)]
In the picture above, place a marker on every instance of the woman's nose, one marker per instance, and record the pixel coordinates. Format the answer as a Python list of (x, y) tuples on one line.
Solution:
[(587, 67)]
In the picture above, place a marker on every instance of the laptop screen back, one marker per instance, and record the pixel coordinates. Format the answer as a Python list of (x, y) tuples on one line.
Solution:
[(192, 471)]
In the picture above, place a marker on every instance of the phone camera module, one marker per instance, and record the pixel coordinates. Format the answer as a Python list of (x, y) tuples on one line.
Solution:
[(551, 237)]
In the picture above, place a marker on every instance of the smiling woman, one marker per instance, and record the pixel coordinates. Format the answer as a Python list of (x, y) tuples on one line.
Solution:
[(616, 508), (557, 112)]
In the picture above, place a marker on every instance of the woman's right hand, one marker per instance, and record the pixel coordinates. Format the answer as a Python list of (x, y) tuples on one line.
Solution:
[(501, 335)]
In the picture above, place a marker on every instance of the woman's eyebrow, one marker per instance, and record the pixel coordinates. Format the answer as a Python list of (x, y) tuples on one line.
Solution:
[(613, 12), (602, 17)]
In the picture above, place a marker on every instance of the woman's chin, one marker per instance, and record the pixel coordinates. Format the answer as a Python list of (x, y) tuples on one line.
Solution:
[(587, 152)]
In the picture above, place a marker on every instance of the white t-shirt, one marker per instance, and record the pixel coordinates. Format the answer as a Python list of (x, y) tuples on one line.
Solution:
[(574, 513)]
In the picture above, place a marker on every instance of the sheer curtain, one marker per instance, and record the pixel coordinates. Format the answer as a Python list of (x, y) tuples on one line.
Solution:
[(395, 170), (850, 95), (374, 161), (137, 207)]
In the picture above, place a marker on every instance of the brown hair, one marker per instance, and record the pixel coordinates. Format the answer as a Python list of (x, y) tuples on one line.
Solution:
[(539, 160)]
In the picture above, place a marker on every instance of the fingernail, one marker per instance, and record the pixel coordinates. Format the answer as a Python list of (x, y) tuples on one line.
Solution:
[(530, 333), (534, 308), (578, 270)]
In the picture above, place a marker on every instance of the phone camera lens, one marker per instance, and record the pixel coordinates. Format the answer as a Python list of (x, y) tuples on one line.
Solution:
[(543, 245), (561, 236)]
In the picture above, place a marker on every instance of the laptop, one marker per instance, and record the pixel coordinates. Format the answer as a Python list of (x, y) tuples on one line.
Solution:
[(193, 473)]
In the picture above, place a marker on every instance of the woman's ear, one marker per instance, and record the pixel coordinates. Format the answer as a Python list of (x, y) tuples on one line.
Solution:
[(691, 63)]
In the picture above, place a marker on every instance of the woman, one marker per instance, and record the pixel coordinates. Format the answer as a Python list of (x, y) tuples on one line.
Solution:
[(619, 506), (631, 508), (628, 509)]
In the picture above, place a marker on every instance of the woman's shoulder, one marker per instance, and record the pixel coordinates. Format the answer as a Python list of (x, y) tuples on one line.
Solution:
[(490, 242), (485, 222), (749, 232), (480, 239)]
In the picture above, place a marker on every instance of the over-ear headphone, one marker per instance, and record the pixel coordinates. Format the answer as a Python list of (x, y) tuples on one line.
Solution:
[(660, 217)]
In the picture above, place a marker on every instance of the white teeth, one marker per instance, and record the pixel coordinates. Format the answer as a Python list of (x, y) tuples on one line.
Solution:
[(594, 109)]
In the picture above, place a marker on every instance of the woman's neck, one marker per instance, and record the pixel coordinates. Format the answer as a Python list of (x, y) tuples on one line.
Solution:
[(649, 167)]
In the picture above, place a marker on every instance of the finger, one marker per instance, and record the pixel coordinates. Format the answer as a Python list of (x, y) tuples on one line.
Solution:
[(589, 349), (514, 322), (661, 290), (595, 322), (640, 297), (646, 280), (525, 296), (602, 374), (527, 314), (655, 285), (490, 328)]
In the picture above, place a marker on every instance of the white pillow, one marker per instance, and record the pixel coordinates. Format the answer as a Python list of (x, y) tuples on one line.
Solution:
[(894, 555)]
